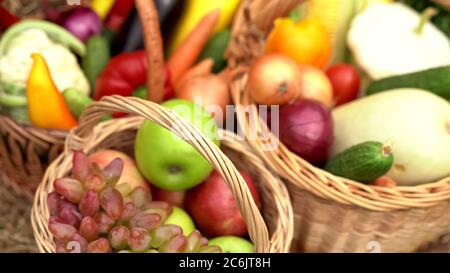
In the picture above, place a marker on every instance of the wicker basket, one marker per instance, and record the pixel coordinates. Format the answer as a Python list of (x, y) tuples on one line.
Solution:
[(25, 151), (332, 214), (120, 134)]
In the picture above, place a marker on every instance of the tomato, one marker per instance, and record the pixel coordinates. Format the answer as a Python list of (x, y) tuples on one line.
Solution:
[(346, 82)]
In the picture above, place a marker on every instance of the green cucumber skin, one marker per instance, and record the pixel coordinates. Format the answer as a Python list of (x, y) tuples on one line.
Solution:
[(364, 162), (435, 80), (96, 58), (76, 101)]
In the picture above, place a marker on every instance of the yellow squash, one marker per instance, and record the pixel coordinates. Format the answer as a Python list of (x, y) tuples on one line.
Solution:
[(195, 11)]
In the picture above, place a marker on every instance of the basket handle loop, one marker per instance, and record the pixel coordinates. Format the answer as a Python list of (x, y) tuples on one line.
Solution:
[(167, 119), (252, 23)]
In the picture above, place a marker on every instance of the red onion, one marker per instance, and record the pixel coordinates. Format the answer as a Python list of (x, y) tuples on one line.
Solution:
[(306, 128), (82, 22)]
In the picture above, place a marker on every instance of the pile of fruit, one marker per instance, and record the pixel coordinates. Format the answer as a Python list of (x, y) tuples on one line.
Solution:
[(376, 111), (108, 206), (52, 68)]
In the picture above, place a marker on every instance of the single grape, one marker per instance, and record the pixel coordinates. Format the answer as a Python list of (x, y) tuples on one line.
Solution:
[(89, 229), (174, 245), (90, 203), (159, 205), (64, 203), (139, 239), (118, 237), (140, 197), (62, 232), (53, 200), (193, 242), (129, 210), (113, 171), (70, 216), (112, 202), (144, 220), (81, 166), (204, 242), (99, 246), (164, 233), (163, 213), (71, 189), (104, 222), (95, 182)]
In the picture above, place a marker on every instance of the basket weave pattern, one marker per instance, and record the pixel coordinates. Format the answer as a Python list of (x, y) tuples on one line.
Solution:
[(120, 134), (333, 214)]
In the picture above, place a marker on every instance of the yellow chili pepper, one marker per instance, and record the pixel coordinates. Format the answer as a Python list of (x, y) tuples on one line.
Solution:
[(102, 7), (306, 42), (46, 106)]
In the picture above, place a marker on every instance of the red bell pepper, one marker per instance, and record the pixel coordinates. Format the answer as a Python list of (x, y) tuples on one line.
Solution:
[(119, 14), (124, 74)]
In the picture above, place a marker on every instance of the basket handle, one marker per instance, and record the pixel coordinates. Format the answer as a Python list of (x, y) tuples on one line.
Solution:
[(169, 120), (252, 22)]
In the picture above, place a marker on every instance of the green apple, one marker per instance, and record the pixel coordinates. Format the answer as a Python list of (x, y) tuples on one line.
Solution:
[(232, 244), (180, 218), (166, 160)]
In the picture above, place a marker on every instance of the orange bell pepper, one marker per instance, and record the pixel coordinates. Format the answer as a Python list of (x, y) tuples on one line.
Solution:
[(46, 105), (306, 42)]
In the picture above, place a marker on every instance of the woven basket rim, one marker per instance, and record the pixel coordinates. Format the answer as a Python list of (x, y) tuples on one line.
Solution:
[(289, 165), (78, 140)]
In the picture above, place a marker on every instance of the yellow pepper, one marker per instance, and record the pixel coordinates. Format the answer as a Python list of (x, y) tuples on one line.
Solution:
[(195, 11), (102, 7), (306, 42), (46, 106)]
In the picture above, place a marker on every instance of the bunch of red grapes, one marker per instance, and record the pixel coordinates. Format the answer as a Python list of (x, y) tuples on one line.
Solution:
[(91, 213)]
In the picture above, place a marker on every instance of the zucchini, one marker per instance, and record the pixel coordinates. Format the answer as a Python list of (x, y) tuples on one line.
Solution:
[(215, 49), (76, 101), (96, 58), (363, 162), (435, 80)]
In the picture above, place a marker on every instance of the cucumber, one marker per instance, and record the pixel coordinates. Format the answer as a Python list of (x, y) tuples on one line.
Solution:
[(54, 31), (96, 58), (364, 162), (435, 80), (76, 101), (215, 49)]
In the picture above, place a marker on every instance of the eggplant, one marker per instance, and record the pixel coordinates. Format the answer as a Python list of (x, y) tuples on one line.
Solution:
[(135, 39)]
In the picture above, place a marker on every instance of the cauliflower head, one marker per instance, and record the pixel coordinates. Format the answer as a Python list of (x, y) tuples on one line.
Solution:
[(16, 63)]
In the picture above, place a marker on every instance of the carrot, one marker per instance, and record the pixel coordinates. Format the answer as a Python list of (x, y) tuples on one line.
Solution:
[(188, 52), (148, 15), (203, 68)]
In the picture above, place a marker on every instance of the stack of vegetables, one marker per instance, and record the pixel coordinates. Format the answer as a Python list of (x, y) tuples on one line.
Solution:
[(51, 69), (362, 94)]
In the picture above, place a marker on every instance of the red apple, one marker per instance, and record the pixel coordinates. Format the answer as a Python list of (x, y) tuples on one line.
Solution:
[(130, 174), (175, 198), (214, 209)]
